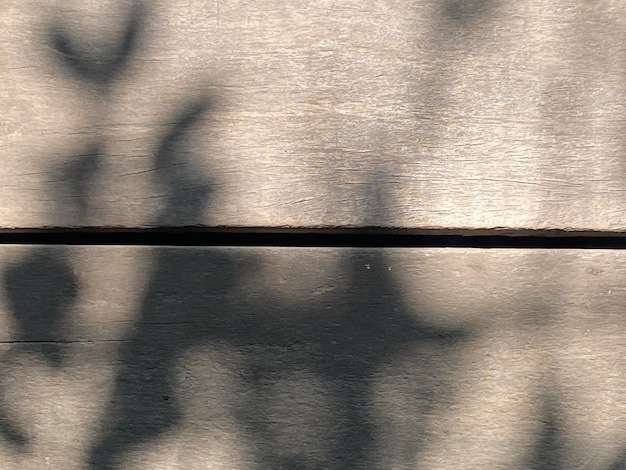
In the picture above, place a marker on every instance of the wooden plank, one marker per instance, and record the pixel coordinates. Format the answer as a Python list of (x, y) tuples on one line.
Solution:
[(419, 114), (233, 358)]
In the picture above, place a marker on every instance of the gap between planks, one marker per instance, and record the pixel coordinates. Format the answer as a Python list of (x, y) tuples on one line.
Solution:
[(335, 237)]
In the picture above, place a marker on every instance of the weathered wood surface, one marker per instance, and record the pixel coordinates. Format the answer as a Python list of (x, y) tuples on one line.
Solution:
[(437, 113), (231, 358)]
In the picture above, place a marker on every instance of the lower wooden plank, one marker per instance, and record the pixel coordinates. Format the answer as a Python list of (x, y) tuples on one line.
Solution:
[(283, 358)]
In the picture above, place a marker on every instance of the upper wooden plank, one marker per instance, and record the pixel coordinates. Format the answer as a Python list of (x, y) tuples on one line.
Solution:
[(419, 114)]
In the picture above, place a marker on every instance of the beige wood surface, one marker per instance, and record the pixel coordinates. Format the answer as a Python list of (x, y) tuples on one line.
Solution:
[(275, 358), (436, 113)]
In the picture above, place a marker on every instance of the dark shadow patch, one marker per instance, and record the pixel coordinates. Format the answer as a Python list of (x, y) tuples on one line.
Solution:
[(99, 66), (40, 290), (75, 181), (187, 192), (10, 431), (144, 403), (177, 314), (465, 11), (95, 66), (193, 300), (620, 464), (365, 325), (548, 452)]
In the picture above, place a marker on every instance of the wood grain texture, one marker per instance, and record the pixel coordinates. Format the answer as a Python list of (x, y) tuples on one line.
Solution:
[(275, 358), (420, 114)]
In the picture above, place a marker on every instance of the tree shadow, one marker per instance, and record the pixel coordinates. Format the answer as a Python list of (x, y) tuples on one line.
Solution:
[(465, 11), (100, 66), (40, 290), (620, 463), (88, 63), (362, 329), (76, 178), (187, 191), (192, 300), (144, 403), (548, 451), (41, 287)]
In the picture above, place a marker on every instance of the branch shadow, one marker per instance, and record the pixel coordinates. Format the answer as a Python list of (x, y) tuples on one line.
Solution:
[(41, 287), (191, 301), (365, 325), (548, 450), (143, 405), (194, 299), (91, 65)]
